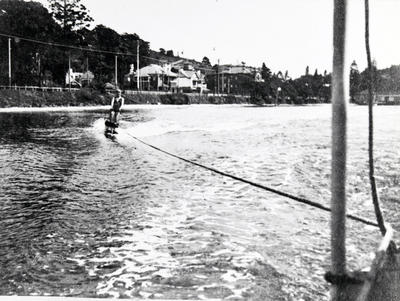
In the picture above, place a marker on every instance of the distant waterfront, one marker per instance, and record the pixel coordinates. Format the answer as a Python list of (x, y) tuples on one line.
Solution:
[(88, 97)]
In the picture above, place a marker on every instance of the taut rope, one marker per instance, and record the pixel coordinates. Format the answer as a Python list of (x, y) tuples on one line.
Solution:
[(272, 190)]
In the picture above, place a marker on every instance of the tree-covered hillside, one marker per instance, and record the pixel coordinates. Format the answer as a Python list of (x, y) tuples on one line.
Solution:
[(36, 64)]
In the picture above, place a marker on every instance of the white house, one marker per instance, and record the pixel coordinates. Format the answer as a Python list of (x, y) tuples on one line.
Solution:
[(152, 77), (189, 80), (78, 79), (178, 76)]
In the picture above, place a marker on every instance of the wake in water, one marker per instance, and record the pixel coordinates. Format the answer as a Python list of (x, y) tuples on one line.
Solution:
[(176, 252), (134, 222), (156, 128), (291, 166), (122, 137)]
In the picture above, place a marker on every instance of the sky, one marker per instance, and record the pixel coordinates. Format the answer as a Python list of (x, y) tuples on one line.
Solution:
[(285, 34)]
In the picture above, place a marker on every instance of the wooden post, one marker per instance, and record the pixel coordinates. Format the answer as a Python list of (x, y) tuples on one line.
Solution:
[(278, 90), (69, 72), (137, 66), (339, 146), (222, 82), (39, 75), (218, 77), (116, 72), (9, 62), (87, 72)]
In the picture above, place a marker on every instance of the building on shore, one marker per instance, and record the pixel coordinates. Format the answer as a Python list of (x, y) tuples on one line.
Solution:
[(78, 79), (189, 81), (233, 79), (380, 98), (178, 76), (151, 78)]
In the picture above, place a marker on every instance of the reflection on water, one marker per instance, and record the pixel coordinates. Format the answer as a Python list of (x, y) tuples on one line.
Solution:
[(81, 215)]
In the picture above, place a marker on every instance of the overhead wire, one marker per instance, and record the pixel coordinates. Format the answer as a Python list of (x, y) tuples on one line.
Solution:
[(87, 49)]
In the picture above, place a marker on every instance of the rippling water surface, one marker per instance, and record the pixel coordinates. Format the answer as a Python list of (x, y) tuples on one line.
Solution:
[(83, 215)]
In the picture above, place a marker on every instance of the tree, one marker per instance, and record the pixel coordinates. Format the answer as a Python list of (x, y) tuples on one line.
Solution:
[(103, 64), (72, 15), (206, 61), (128, 44), (265, 72), (290, 91), (307, 70), (162, 51), (354, 80), (29, 19), (266, 76), (259, 92), (104, 38), (170, 53), (287, 77)]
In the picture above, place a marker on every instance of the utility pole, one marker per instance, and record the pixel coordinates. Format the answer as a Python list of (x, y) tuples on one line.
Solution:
[(87, 71), (218, 77), (222, 82), (137, 66), (69, 72), (40, 81), (9, 62), (278, 90), (116, 72), (38, 62)]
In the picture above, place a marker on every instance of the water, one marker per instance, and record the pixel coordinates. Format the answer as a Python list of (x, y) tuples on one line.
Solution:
[(82, 215)]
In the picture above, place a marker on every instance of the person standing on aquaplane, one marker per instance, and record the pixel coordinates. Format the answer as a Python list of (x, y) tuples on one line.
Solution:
[(116, 104)]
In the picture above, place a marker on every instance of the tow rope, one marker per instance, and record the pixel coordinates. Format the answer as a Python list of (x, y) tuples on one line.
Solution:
[(374, 192), (272, 190)]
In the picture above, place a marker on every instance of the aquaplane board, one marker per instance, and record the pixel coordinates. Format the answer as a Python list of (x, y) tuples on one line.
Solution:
[(111, 124), (110, 129), (109, 134)]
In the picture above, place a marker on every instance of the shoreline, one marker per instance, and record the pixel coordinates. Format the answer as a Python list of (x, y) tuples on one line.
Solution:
[(105, 108), (88, 98), (132, 107)]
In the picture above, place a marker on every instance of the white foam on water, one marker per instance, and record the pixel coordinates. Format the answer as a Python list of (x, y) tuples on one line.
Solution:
[(142, 257), (122, 136), (80, 262), (233, 276), (162, 126), (156, 128)]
